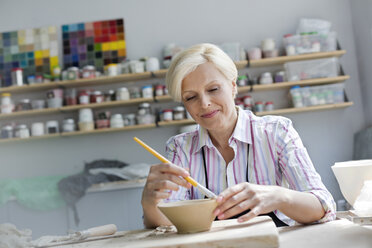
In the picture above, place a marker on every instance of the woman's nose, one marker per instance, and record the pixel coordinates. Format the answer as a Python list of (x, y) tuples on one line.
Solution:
[(205, 102)]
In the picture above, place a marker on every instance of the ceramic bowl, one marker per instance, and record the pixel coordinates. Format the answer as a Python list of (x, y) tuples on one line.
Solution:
[(190, 216), (351, 176)]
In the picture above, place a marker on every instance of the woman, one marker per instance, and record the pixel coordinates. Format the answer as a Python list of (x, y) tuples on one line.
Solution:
[(256, 165)]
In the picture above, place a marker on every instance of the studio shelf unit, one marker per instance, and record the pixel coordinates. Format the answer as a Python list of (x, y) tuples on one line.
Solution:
[(161, 74)]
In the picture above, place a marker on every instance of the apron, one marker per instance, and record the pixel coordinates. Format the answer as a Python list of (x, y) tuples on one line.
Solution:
[(276, 220)]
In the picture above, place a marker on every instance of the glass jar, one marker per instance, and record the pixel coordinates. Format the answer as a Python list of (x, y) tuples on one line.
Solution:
[(122, 94), (7, 132), (24, 105), (247, 100), (96, 97), (116, 121), (110, 96), (129, 119), (179, 113), (159, 90), (147, 91), (22, 131), (68, 125), (73, 73), (258, 106), (144, 114), (167, 115), (84, 97), (89, 71), (7, 105), (52, 127), (135, 92), (269, 106), (144, 108), (70, 97)]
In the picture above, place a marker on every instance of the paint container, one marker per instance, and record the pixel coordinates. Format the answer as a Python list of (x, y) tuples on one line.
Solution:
[(179, 113), (258, 106), (23, 105), (31, 79), (147, 91), (7, 132), (84, 97), (96, 97), (89, 71), (279, 77), (255, 53), (52, 127), (112, 70), (129, 119), (248, 107), (266, 78), (242, 80), (144, 115), (37, 129), (55, 98), (68, 125), (38, 104), (71, 97), (167, 115), (86, 126), (268, 44), (85, 115), (152, 64), (271, 54), (269, 106), (7, 105), (22, 131), (110, 96), (103, 119), (72, 73), (136, 66), (135, 92), (122, 94), (17, 76), (159, 90), (116, 121), (247, 100), (39, 79)]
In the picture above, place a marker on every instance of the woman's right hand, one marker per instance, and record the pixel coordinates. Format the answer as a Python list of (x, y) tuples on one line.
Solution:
[(162, 179)]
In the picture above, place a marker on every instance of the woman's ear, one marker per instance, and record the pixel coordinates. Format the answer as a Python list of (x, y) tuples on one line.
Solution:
[(234, 89)]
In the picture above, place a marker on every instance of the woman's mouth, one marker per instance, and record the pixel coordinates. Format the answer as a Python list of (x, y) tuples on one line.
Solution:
[(210, 114)]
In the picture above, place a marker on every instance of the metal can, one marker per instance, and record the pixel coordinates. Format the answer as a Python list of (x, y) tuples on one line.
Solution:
[(17, 76)]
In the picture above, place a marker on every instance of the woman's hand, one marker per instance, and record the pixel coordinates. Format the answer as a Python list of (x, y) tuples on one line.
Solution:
[(162, 179), (260, 199)]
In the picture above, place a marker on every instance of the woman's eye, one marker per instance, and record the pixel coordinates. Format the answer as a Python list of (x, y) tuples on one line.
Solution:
[(214, 89), (190, 98)]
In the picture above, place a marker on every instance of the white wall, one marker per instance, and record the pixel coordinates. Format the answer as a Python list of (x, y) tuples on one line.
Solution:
[(149, 24)]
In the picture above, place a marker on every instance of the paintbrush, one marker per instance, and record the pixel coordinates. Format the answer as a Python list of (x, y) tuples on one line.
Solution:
[(194, 183)]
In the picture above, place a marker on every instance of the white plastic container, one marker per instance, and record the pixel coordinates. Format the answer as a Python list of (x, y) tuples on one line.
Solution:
[(116, 121), (310, 43), (296, 97), (318, 68)]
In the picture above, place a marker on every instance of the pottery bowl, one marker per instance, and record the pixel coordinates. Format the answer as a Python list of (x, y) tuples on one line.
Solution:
[(351, 176), (190, 216)]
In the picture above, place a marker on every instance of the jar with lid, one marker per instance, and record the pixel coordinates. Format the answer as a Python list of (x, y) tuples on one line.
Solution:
[(84, 97), (144, 114), (22, 131), (242, 80), (116, 121), (122, 94), (144, 108), (68, 125), (147, 91), (39, 79), (258, 106), (110, 96), (279, 77), (135, 92), (89, 71), (266, 78), (71, 97), (96, 97), (167, 115), (7, 105), (24, 105), (103, 119), (129, 119), (73, 73), (7, 132), (112, 70), (247, 99), (52, 127), (269, 106), (159, 90), (37, 129), (179, 113), (31, 79)]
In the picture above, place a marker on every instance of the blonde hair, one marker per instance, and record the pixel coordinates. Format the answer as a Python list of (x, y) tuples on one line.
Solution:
[(188, 60)]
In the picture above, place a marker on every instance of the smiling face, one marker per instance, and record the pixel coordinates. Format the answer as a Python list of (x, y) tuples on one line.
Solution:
[(209, 98)]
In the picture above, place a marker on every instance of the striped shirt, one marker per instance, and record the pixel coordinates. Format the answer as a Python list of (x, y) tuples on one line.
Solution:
[(276, 157)]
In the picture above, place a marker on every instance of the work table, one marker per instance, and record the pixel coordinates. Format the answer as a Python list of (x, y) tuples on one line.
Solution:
[(259, 232)]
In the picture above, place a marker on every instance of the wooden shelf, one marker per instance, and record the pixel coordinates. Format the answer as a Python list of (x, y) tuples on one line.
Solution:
[(284, 59), (283, 85), (161, 73), (33, 112), (46, 136), (109, 130), (179, 122)]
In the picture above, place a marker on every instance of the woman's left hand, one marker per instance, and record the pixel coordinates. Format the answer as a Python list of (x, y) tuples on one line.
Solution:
[(260, 199)]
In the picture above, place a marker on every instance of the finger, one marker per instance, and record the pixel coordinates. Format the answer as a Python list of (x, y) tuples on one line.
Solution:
[(237, 209), (174, 169), (227, 193), (163, 185), (161, 194), (230, 202), (253, 213), (178, 180)]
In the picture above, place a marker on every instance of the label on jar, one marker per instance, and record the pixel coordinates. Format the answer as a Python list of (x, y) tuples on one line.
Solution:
[(84, 99)]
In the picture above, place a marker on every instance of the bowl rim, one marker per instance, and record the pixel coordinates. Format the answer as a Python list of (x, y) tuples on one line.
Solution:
[(173, 204)]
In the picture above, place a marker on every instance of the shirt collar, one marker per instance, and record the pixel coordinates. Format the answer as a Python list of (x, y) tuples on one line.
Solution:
[(242, 131)]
